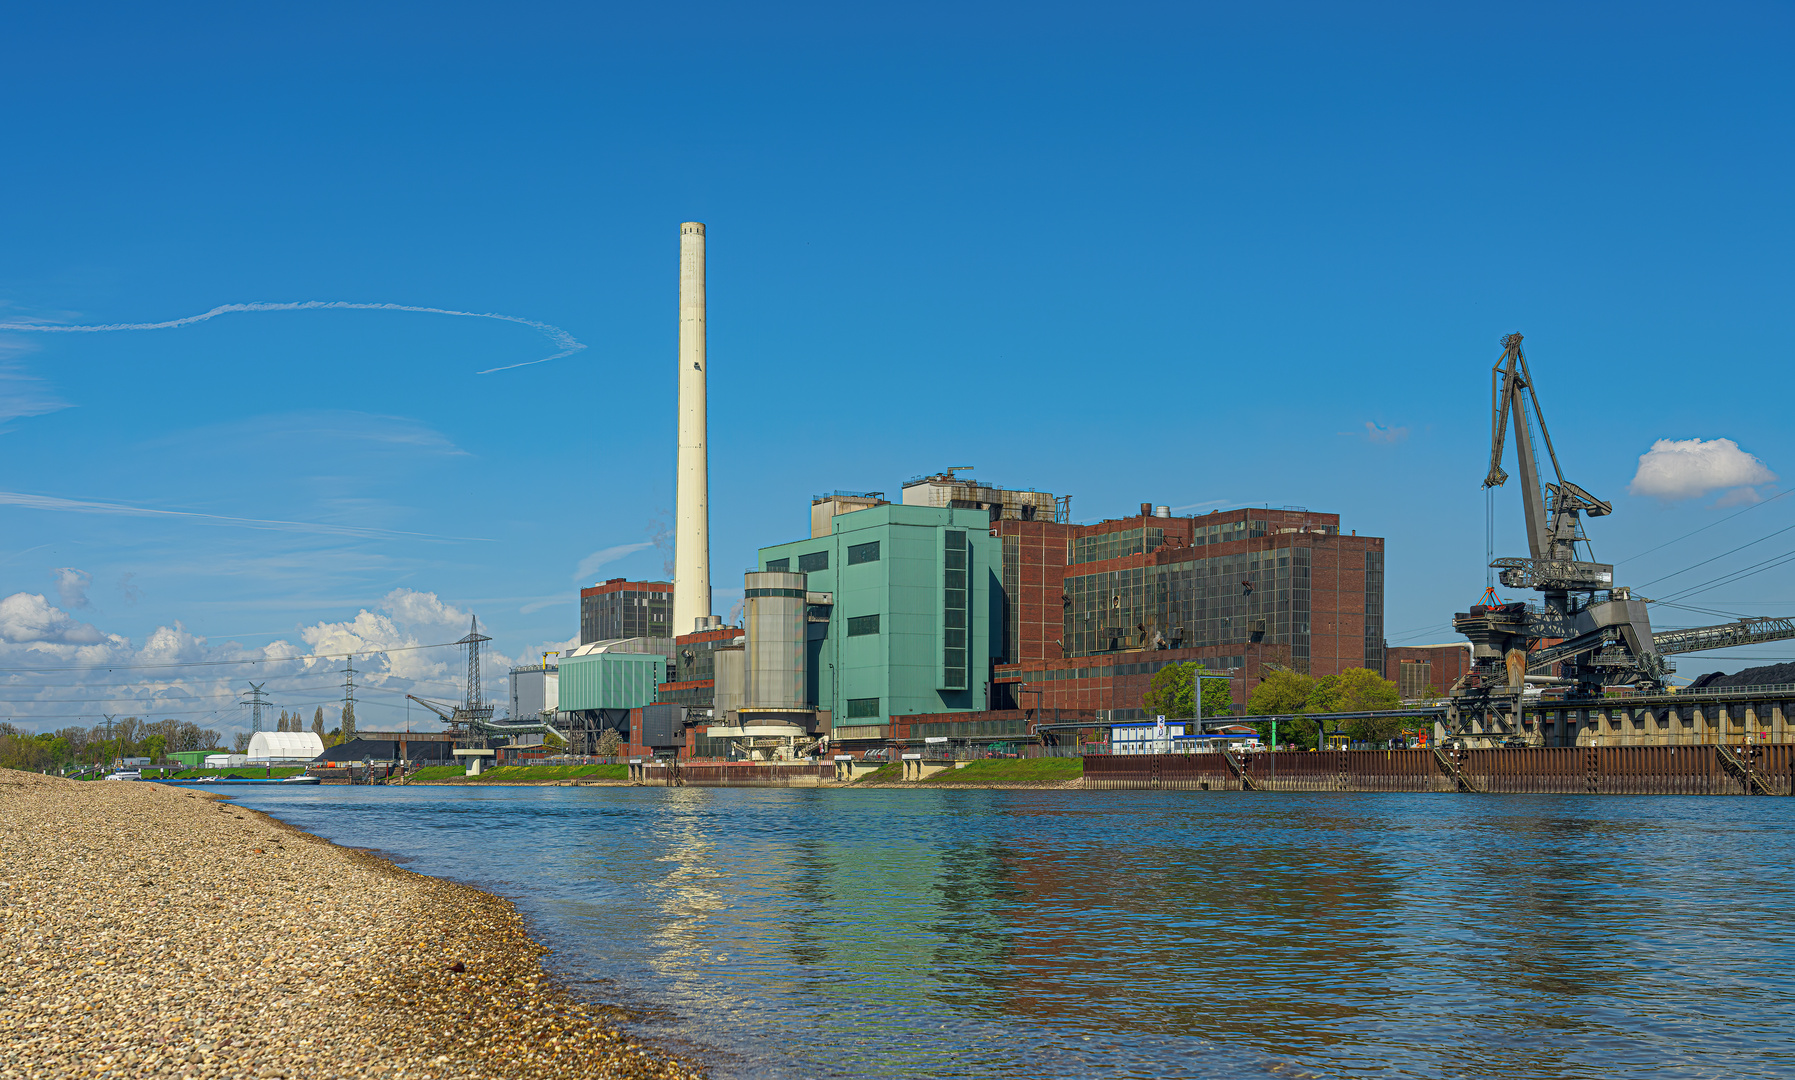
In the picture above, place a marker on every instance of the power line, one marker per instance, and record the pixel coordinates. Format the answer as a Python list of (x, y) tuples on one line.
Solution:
[(1736, 575), (1706, 527), (34, 716), (1722, 555)]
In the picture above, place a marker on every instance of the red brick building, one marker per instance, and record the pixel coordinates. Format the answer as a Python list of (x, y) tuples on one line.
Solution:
[(1092, 612), (1415, 669)]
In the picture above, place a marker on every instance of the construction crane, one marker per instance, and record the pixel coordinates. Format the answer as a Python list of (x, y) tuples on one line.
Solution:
[(1595, 632)]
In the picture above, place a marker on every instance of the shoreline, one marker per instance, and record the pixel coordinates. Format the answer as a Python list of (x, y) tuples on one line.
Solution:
[(152, 930)]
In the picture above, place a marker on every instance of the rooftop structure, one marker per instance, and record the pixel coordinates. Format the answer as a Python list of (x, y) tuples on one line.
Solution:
[(824, 508), (945, 489)]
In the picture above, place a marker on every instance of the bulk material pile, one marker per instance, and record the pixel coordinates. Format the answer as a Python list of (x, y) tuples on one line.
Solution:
[(150, 931)]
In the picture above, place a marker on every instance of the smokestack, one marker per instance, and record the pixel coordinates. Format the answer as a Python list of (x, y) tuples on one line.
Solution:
[(692, 524)]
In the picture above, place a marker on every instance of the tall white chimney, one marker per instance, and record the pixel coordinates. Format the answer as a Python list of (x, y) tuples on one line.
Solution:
[(692, 526)]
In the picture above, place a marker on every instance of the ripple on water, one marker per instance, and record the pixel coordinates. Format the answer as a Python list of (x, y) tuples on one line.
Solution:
[(1136, 934)]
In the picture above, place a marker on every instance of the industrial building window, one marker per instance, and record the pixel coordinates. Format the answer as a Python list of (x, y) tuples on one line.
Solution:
[(1374, 611), (860, 707), (813, 561), (859, 553), (953, 613), (861, 625), (778, 566)]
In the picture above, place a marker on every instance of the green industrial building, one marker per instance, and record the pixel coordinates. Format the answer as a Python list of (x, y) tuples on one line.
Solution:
[(903, 612), (609, 680)]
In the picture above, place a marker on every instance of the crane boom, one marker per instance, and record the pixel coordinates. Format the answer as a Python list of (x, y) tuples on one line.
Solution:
[(1744, 632)]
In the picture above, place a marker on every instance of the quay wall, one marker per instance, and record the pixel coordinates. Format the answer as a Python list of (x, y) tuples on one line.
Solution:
[(1595, 770), (735, 775)]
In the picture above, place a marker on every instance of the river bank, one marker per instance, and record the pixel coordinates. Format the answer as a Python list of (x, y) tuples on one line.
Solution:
[(149, 930)]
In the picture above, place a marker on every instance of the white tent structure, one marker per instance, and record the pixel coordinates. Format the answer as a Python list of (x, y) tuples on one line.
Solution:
[(275, 747)]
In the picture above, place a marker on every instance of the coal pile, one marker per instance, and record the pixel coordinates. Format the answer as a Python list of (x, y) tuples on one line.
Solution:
[(1769, 675)]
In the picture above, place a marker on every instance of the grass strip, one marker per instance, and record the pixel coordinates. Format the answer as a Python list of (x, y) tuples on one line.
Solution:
[(1042, 771), (518, 774)]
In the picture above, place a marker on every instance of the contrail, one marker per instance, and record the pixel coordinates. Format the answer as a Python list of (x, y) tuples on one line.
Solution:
[(561, 338), (85, 506)]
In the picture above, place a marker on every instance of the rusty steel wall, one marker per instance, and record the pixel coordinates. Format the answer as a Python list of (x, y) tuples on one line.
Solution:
[(1605, 770), (1190, 772), (741, 775), (1348, 770), (1527, 770)]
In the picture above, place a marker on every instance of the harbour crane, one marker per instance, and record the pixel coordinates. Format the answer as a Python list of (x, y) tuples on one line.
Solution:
[(1597, 633)]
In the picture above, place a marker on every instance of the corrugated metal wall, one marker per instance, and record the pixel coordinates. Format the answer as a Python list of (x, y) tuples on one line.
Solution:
[(610, 680)]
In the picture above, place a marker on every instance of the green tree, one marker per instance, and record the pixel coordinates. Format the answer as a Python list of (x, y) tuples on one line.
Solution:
[(348, 720), (154, 746), (1360, 690), (318, 723), (1280, 693), (1172, 695)]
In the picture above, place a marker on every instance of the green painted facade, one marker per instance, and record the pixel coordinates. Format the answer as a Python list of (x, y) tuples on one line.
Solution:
[(610, 680), (913, 628), (193, 759)]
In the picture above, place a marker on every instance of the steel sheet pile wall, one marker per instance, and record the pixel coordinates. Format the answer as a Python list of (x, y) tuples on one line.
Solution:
[(1195, 772), (1607, 770), (744, 775), (1522, 771), (1348, 770)]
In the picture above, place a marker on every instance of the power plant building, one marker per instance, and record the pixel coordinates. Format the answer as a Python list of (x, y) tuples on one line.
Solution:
[(620, 609), (898, 607), (535, 690), (1092, 612)]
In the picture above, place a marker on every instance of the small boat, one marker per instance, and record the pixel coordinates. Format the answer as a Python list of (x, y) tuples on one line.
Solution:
[(234, 780)]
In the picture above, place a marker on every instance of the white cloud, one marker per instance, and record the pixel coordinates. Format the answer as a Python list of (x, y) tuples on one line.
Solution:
[(23, 394), (1380, 433), (87, 671), (31, 620), (590, 564), (1690, 468), (72, 585)]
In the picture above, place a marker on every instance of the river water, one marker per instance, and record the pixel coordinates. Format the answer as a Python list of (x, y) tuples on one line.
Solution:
[(820, 933)]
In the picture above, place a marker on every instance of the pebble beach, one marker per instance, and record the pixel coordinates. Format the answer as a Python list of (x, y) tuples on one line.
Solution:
[(148, 930)]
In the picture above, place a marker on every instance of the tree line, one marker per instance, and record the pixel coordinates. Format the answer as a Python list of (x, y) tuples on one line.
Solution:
[(126, 737), (134, 737), (1282, 691)]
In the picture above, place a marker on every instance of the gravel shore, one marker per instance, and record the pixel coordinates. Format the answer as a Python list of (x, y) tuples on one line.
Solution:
[(154, 931)]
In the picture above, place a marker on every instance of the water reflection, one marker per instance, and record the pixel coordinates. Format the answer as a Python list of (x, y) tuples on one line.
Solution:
[(1139, 934)]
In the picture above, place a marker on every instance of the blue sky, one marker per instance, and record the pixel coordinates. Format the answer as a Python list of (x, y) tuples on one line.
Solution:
[(1195, 255)]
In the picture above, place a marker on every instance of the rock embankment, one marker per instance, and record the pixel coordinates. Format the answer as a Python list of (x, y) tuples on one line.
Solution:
[(152, 931)]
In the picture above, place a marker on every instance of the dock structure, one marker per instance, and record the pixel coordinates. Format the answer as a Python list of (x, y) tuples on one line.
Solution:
[(1713, 769), (1733, 715)]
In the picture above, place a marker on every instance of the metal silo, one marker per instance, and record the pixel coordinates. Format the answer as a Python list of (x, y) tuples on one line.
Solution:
[(773, 603), (729, 672)]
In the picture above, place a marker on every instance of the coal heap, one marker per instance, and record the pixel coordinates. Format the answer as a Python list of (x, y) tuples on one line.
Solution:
[(1770, 675)]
